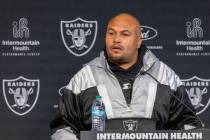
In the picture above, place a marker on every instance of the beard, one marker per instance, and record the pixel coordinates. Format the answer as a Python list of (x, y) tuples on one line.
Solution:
[(117, 59)]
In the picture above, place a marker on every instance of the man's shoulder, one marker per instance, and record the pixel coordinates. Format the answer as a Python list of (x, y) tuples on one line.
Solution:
[(166, 75), (97, 61), (84, 78)]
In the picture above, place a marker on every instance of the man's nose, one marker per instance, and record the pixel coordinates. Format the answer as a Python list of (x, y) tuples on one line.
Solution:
[(117, 38)]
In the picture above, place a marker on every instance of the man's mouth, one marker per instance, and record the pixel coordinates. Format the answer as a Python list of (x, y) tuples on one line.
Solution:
[(116, 48)]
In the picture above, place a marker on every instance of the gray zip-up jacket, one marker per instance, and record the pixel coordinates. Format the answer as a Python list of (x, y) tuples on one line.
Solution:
[(157, 94)]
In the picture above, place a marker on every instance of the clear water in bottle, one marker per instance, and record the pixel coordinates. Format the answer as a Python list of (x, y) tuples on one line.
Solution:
[(98, 115)]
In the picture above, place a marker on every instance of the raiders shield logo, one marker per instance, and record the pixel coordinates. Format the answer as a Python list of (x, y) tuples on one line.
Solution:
[(130, 125), (78, 35), (20, 94), (198, 92)]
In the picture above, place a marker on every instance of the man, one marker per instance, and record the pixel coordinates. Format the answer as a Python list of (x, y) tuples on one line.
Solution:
[(133, 83)]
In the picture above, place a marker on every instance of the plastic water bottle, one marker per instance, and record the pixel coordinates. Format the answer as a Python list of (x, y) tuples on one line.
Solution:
[(98, 115)]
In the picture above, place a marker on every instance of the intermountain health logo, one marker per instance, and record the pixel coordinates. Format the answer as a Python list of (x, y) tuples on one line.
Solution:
[(21, 44), (195, 44), (78, 35), (21, 94), (198, 91)]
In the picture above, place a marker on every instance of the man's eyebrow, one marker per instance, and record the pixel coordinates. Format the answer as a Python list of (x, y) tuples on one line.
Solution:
[(125, 31), (120, 31), (110, 29)]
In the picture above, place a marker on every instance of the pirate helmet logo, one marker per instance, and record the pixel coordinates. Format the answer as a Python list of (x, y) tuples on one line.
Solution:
[(197, 90), (20, 94), (130, 125), (79, 35), (21, 97), (195, 94)]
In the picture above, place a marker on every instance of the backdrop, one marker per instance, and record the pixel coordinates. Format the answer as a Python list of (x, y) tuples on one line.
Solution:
[(44, 43)]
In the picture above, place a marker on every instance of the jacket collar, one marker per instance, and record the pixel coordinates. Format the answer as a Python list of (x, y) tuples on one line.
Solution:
[(148, 60)]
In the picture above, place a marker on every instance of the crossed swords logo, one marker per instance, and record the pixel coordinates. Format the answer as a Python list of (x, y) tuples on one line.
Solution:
[(195, 95), (21, 97)]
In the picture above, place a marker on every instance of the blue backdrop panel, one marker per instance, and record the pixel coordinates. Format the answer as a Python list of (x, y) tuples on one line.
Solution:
[(39, 52)]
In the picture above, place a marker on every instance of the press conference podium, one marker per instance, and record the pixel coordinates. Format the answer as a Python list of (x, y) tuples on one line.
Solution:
[(142, 129), (196, 134)]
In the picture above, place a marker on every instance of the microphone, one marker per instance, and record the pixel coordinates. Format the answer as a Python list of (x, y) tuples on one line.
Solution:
[(202, 124)]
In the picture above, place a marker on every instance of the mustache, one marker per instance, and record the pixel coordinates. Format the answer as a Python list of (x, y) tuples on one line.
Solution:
[(116, 46)]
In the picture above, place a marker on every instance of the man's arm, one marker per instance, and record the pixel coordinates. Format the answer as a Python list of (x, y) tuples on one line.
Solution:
[(66, 124), (64, 134)]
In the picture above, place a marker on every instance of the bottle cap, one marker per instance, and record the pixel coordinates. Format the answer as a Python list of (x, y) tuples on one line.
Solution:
[(98, 97)]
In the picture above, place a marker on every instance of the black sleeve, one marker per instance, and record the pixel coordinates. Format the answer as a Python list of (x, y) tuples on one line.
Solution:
[(182, 112), (68, 113)]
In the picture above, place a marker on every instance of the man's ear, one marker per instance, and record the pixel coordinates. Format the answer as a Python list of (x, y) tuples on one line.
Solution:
[(139, 42)]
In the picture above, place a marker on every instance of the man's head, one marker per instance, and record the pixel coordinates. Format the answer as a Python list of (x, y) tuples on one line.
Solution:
[(123, 38)]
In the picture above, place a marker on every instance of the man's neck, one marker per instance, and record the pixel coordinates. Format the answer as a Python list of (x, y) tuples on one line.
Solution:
[(126, 66)]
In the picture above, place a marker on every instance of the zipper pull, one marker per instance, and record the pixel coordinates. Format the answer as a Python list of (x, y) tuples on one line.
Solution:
[(128, 109)]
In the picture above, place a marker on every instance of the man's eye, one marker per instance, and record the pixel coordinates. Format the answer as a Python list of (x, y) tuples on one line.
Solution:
[(110, 33), (125, 34)]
